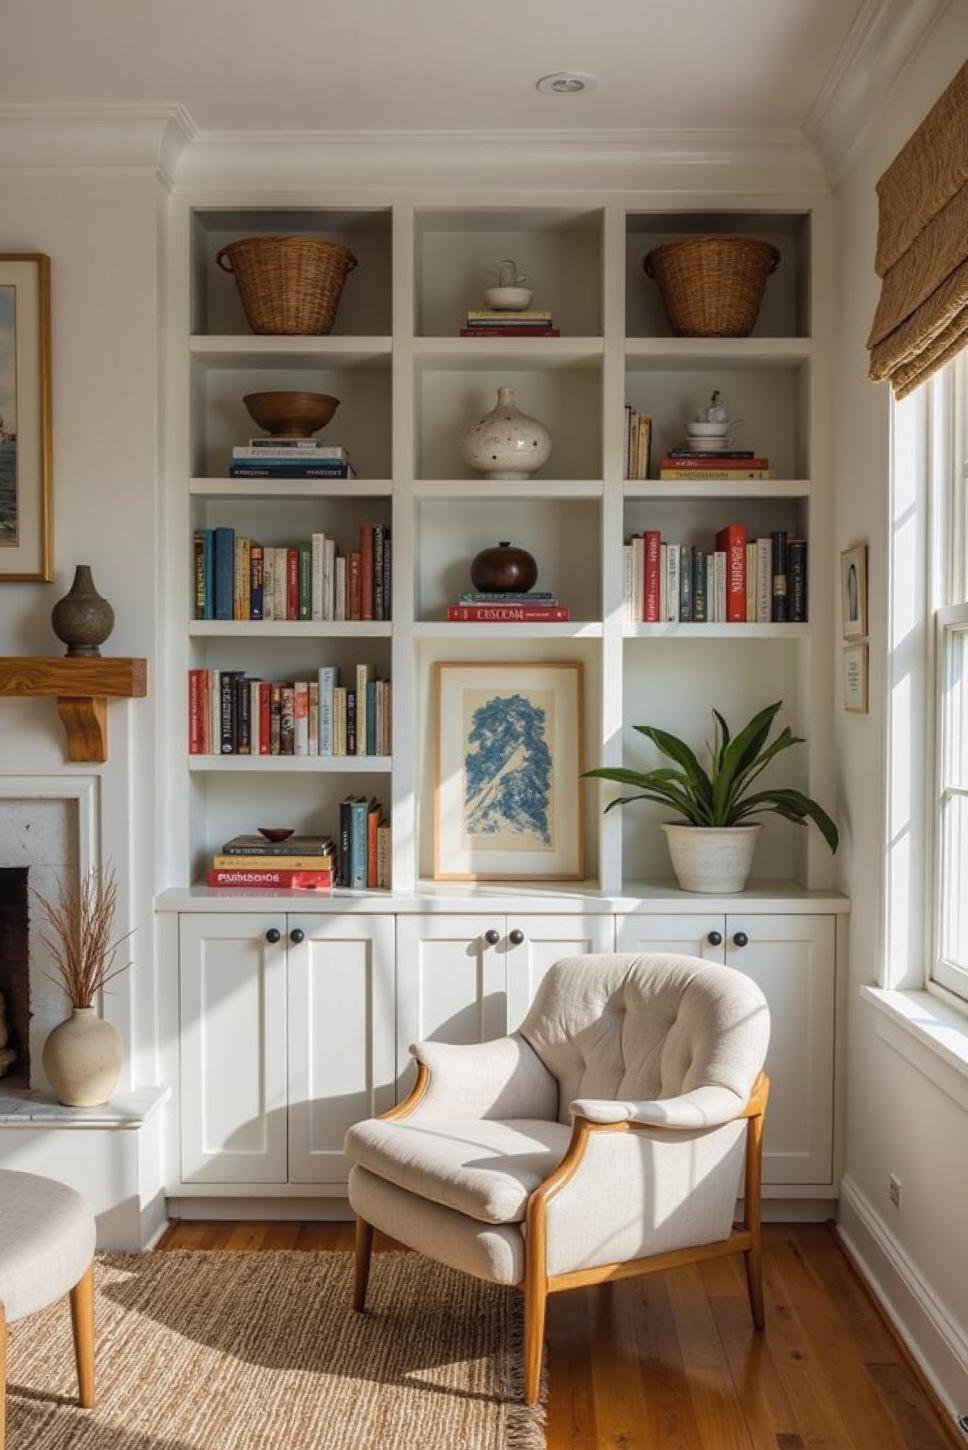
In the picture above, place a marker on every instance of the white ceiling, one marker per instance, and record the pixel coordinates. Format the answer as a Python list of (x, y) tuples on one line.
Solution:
[(268, 65)]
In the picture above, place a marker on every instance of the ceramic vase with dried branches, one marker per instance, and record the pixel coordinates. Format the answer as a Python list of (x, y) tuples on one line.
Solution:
[(83, 1056)]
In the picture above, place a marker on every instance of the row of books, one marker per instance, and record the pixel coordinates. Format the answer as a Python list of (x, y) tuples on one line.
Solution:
[(290, 458), (743, 581), (239, 578), (688, 465), (535, 322), (532, 607), (358, 859), (638, 443), (231, 714)]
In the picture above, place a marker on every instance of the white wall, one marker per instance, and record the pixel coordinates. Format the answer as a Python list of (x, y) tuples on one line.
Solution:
[(898, 1121)]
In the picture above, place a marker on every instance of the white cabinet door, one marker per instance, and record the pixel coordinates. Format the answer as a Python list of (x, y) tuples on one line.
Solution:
[(692, 934), (451, 983), (534, 943), (341, 1036), (792, 958), (233, 1048)]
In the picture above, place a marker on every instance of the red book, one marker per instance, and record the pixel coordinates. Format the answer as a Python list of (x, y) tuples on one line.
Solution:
[(292, 583), (508, 613), (270, 880), (194, 712), (510, 332), (265, 718), (731, 541), (366, 571), (650, 596), (714, 461), (354, 587), (372, 822)]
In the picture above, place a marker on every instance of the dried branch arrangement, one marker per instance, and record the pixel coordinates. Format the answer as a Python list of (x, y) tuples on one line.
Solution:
[(79, 938)]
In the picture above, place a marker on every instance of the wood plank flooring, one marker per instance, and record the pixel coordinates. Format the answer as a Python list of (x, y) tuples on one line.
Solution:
[(671, 1362)]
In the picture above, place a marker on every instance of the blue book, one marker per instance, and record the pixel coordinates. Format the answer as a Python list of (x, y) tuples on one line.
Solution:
[(357, 873), (224, 573), (328, 680), (371, 717)]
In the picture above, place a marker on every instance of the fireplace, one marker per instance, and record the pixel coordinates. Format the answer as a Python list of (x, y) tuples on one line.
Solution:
[(14, 977)]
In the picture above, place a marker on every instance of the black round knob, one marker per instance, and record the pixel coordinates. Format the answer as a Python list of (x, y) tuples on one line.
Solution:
[(492, 937), (273, 935), (297, 935), (740, 939), (715, 938), (516, 937)]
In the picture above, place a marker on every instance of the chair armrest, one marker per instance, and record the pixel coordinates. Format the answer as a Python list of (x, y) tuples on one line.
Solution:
[(504, 1078), (705, 1107)]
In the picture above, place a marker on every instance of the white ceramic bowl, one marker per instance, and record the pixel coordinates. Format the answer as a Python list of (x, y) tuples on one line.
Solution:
[(706, 430), (508, 299)]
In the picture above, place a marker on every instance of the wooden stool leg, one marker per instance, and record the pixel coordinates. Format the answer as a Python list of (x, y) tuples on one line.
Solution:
[(3, 1378), (535, 1306), (753, 1191), (82, 1321), (361, 1278)]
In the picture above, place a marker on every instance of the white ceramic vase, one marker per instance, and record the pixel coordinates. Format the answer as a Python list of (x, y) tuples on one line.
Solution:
[(711, 859), (507, 443), (82, 1059)]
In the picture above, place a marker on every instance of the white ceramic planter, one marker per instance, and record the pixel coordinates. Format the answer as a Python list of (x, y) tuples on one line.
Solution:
[(82, 1059), (710, 859), (506, 443)]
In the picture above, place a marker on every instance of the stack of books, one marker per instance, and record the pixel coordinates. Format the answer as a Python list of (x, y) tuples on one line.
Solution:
[(638, 443), (535, 322), (364, 845), (689, 465), (530, 608), (231, 714), (743, 581), (289, 458), (239, 578), (251, 863)]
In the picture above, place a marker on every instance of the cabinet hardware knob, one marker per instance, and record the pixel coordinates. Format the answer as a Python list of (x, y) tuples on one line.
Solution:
[(492, 937), (273, 935), (715, 938), (516, 937), (740, 939), (297, 935)]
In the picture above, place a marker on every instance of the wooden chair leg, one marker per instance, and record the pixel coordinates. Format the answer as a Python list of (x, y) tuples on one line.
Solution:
[(752, 1204), (82, 1321), (3, 1378), (361, 1277), (535, 1306)]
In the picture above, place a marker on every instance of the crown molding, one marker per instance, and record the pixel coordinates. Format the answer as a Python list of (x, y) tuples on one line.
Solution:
[(884, 36), (80, 137)]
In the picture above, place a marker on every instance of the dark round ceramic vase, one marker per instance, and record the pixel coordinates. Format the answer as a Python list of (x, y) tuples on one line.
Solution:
[(82, 619), (504, 569)]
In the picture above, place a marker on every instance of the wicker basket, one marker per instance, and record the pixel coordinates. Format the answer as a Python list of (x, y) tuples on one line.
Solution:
[(288, 285), (712, 286)]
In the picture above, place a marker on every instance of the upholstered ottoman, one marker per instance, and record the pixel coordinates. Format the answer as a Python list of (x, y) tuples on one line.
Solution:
[(47, 1236)]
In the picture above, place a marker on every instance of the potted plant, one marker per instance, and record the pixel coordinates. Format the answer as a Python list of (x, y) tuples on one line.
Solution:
[(82, 1057), (713, 851)]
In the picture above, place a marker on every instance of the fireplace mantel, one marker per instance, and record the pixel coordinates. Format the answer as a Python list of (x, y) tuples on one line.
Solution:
[(82, 688)]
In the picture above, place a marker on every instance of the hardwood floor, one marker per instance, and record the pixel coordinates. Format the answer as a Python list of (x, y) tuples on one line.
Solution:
[(671, 1362)]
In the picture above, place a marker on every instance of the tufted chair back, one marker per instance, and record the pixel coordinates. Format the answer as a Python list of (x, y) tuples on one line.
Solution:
[(632, 1026)]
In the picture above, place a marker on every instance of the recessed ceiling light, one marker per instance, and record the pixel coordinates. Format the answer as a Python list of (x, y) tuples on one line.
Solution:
[(567, 83)]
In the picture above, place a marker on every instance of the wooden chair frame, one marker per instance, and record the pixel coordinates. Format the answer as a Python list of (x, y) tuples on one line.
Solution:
[(82, 1324), (538, 1283)]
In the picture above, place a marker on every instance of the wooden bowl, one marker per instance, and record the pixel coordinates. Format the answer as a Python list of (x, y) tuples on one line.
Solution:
[(297, 415), (275, 834)]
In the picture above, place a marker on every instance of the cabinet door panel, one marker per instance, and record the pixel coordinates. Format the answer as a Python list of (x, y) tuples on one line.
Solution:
[(233, 1049), (685, 933), (341, 1037), (451, 983), (546, 938), (792, 959)]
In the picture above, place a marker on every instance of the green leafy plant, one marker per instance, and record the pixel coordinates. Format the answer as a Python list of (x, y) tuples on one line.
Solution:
[(722, 795)]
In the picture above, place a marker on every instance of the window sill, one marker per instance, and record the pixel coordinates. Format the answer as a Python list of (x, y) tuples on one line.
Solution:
[(930, 1035)]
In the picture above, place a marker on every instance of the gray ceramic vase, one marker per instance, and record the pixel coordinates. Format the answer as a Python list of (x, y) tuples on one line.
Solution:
[(82, 619)]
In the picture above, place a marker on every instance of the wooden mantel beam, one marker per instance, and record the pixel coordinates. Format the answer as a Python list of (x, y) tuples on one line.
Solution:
[(82, 688)]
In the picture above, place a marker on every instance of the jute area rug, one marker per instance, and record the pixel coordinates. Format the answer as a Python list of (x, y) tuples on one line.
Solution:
[(260, 1351)]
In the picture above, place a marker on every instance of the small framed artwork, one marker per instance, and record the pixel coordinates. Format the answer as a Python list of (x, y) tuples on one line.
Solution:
[(507, 797), (855, 679), (853, 591), (25, 423)]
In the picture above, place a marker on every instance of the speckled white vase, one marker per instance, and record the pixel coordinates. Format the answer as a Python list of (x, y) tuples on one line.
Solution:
[(507, 443), (82, 1059), (710, 859)]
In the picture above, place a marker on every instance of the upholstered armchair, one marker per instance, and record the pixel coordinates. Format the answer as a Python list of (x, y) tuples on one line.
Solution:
[(606, 1138)]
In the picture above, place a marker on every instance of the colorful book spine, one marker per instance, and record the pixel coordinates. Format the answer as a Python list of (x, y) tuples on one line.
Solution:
[(797, 555), (281, 468), (272, 879), (256, 580), (764, 579), (357, 869), (652, 591), (509, 614), (685, 585), (225, 861), (731, 541), (224, 572), (700, 612), (366, 571), (780, 602), (713, 475)]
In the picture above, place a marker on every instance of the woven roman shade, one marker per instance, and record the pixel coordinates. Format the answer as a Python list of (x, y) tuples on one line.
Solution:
[(922, 248)]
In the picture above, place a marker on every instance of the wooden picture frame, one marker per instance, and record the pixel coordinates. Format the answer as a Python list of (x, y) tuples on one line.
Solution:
[(534, 830), (26, 485), (853, 592), (856, 686)]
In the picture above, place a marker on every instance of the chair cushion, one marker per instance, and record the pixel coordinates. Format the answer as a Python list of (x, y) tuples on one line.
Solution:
[(484, 1168), (47, 1238)]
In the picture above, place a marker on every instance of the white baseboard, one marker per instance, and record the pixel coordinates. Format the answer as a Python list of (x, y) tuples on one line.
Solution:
[(937, 1343), (283, 1210)]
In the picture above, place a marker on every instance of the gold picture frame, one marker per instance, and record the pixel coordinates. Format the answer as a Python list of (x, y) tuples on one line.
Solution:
[(26, 472), (853, 592)]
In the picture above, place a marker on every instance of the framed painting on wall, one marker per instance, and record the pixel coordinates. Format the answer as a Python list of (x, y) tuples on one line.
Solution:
[(853, 591), (507, 797), (855, 679), (25, 422)]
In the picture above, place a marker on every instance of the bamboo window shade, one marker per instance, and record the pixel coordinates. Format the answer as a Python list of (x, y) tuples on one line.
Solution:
[(921, 320)]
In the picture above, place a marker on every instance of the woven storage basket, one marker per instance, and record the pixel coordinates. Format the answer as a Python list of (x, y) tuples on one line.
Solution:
[(712, 286), (288, 284)]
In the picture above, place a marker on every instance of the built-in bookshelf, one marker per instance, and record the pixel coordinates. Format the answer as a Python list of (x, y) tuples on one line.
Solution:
[(408, 386)]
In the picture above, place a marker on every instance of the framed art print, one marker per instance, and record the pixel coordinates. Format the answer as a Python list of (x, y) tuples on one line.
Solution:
[(507, 797), (25, 425), (853, 591), (855, 679)]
